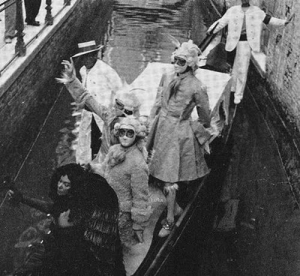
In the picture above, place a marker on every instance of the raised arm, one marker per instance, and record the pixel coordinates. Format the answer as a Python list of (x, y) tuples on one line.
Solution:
[(79, 93), (273, 21), (221, 23)]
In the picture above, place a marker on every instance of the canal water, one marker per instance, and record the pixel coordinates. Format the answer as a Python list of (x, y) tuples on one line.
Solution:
[(135, 34)]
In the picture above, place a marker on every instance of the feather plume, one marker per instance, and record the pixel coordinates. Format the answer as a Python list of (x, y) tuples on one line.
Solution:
[(173, 40)]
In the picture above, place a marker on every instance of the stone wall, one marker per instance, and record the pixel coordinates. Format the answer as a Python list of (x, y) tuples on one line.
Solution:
[(25, 104), (269, 191), (278, 94)]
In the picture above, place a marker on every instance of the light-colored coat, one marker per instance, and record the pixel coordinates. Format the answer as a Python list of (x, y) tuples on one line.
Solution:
[(233, 18), (129, 179), (176, 152), (102, 82)]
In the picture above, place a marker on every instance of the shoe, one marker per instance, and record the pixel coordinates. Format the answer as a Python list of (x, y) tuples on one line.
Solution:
[(166, 229), (8, 40), (33, 23), (237, 100)]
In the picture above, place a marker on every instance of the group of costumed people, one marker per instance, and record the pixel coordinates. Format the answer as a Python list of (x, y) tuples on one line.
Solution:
[(101, 203), (177, 154)]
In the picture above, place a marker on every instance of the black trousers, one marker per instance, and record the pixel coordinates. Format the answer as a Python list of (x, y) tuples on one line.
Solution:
[(32, 8), (96, 138)]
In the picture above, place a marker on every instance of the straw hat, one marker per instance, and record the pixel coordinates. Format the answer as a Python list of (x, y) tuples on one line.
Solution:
[(87, 47)]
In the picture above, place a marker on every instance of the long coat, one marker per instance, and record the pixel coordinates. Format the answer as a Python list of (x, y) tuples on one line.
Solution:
[(129, 179), (234, 17), (176, 153)]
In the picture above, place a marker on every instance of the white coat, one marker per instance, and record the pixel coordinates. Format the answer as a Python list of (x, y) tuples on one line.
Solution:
[(234, 19), (102, 82)]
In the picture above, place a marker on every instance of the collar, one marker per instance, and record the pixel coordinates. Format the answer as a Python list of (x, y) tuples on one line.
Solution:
[(246, 5), (128, 149), (184, 75)]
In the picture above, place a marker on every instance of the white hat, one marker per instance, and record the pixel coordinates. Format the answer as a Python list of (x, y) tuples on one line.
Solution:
[(87, 47)]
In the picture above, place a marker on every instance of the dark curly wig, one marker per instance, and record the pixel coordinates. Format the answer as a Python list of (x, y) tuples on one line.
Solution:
[(75, 174)]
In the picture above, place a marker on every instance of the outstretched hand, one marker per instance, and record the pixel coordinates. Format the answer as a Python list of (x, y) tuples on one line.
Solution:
[(69, 68), (69, 73), (289, 19)]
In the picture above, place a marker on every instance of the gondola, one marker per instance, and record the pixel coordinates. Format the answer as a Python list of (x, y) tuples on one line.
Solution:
[(156, 256), (163, 256)]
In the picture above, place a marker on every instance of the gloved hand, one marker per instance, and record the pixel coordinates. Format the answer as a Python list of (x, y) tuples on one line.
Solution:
[(69, 73)]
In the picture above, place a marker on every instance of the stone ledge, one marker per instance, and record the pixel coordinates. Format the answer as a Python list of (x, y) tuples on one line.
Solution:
[(18, 66)]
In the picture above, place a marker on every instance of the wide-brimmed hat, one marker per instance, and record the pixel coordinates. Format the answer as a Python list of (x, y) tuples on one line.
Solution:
[(87, 47)]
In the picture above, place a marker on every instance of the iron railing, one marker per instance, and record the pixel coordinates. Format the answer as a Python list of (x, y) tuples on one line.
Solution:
[(20, 46)]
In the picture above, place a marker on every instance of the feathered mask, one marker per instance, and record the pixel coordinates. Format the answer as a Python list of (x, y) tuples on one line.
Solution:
[(187, 50)]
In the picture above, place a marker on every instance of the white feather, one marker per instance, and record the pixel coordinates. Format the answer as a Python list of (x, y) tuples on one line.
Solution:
[(174, 40)]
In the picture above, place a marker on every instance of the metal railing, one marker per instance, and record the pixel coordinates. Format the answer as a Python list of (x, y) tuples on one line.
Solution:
[(20, 46)]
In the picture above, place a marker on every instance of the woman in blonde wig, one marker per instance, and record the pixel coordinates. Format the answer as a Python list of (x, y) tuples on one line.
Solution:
[(177, 155), (126, 171)]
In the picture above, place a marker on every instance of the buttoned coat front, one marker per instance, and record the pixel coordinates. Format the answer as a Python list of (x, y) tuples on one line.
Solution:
[(176, 152), (234, 17)]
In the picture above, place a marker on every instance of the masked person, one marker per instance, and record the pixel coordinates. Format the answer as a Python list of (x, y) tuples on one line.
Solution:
[(126, 171), (177, 156), (102, 82), (244, 33), (125, 103), (84, 237)]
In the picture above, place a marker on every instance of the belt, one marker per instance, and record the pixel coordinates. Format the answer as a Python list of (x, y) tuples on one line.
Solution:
[(171, 113)]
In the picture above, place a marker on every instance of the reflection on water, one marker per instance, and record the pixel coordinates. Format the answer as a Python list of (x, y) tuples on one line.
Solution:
[(139, 33), (134, 33)]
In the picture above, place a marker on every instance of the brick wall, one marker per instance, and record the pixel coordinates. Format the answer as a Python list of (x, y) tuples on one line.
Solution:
[(272, 247), (32, 92), (278, 95), (283, 51)]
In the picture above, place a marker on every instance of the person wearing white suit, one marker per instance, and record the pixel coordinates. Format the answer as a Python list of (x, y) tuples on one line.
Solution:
[(244, 32), (102, 82)]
